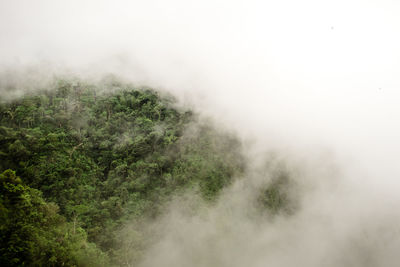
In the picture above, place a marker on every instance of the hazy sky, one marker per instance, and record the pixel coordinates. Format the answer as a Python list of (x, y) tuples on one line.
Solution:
[(303, 76)]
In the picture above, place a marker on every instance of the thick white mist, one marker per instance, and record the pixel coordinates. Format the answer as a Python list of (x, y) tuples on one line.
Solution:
[(304, 78)]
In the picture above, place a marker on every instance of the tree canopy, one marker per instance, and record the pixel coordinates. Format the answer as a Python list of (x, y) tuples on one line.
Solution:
[(78, 161)]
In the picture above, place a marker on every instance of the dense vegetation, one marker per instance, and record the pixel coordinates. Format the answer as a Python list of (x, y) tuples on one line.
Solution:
[(78, 162)]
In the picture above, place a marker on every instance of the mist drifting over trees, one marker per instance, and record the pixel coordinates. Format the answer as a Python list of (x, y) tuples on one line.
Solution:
[(212, 133)]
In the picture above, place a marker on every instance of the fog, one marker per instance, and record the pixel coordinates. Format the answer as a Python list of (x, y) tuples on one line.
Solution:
[(317, 82)]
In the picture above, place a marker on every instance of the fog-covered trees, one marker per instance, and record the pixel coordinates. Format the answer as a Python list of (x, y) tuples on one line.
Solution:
[(91, 160)]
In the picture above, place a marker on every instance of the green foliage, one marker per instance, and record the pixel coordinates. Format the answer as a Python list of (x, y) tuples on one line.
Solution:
[(33, 233), (104, 159), (275, 198)]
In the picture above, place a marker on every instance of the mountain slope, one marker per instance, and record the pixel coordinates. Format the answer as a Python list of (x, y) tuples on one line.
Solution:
[(107, 155)]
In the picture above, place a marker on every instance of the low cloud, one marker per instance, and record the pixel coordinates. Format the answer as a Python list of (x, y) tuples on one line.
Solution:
[(313, 82)]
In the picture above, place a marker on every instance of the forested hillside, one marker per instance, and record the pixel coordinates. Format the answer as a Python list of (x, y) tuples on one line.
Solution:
[(79, 161)]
